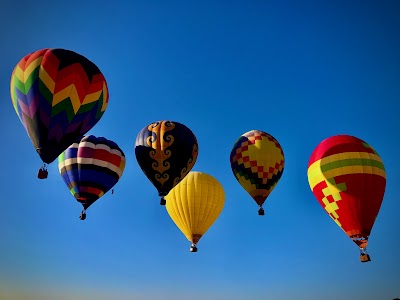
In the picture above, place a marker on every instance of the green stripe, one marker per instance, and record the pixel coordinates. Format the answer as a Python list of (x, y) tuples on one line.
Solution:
[(100, 101), (25, 87), (31, 79), (352, 162), (18, 84), (14, 98), (61, 157), (64, 106), (86, 107), (45, 92), (73, 191)]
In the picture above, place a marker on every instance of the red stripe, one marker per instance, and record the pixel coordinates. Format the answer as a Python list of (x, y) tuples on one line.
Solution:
[(86, 152), (107, 156), (76, 75), (50, 63), (32, 57), (338, 144), (91, 190)]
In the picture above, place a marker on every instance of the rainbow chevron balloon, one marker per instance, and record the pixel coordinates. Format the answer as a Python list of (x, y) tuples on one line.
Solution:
[(58, 95)]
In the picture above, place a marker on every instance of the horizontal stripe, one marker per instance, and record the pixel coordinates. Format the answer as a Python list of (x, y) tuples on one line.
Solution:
[(85, 152), (314, 170), (345, 159), (348, 155), (97, 168), (102, 146), (322, 176), (89, 177), (87, 144), (66, 162), (339, 144), (90, 190)]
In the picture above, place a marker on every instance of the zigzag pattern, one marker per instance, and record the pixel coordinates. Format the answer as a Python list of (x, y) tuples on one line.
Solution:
[(58, 95), (258, 182), (257, 168), (69, 87)]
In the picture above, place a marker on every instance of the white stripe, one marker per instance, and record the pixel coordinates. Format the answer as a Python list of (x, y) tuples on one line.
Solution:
[(85, 160), (103, 146), (69, 161), (100, 163), (87, 144)]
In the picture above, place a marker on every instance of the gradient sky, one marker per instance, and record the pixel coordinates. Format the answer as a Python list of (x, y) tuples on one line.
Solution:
[(299, 70)]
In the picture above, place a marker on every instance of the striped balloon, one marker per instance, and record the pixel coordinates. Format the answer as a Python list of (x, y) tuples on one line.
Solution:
[(91, 167), (58, 95), (348, 178), (257, 161)]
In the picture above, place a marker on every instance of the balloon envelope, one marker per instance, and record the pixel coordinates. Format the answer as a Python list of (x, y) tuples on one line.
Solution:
[(91, 167), (348, 178), (58, 95), (195, 203), (166, 151), (257, 162)]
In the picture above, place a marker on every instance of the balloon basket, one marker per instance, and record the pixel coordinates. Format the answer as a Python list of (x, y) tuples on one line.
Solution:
[(261, 211), (193, 248), (82, 215), (163, 201), (42, 173), (365, 258)]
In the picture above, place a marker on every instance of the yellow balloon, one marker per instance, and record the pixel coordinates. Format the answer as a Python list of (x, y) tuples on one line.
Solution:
[(194, 204)]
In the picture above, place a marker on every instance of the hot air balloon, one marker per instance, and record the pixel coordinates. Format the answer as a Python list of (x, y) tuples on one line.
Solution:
[(58, 95), (257, 161), (90, 168), (348, 178), (166, 151), (194, 204)]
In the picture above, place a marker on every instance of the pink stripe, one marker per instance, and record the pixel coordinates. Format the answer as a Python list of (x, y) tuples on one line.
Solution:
[(86, 152), (31, 109)]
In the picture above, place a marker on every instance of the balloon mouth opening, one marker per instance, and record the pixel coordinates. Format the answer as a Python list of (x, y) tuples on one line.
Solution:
[(48, 154), (260, 199), (196, 238), (361, 241)]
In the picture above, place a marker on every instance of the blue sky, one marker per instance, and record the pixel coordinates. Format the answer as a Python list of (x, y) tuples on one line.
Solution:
[(299, 70)]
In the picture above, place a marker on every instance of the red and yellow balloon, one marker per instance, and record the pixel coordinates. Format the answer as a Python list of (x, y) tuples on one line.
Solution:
[(348, 178)]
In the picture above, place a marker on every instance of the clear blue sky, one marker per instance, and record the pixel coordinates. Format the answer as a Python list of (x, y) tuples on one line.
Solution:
[(299, 70)]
